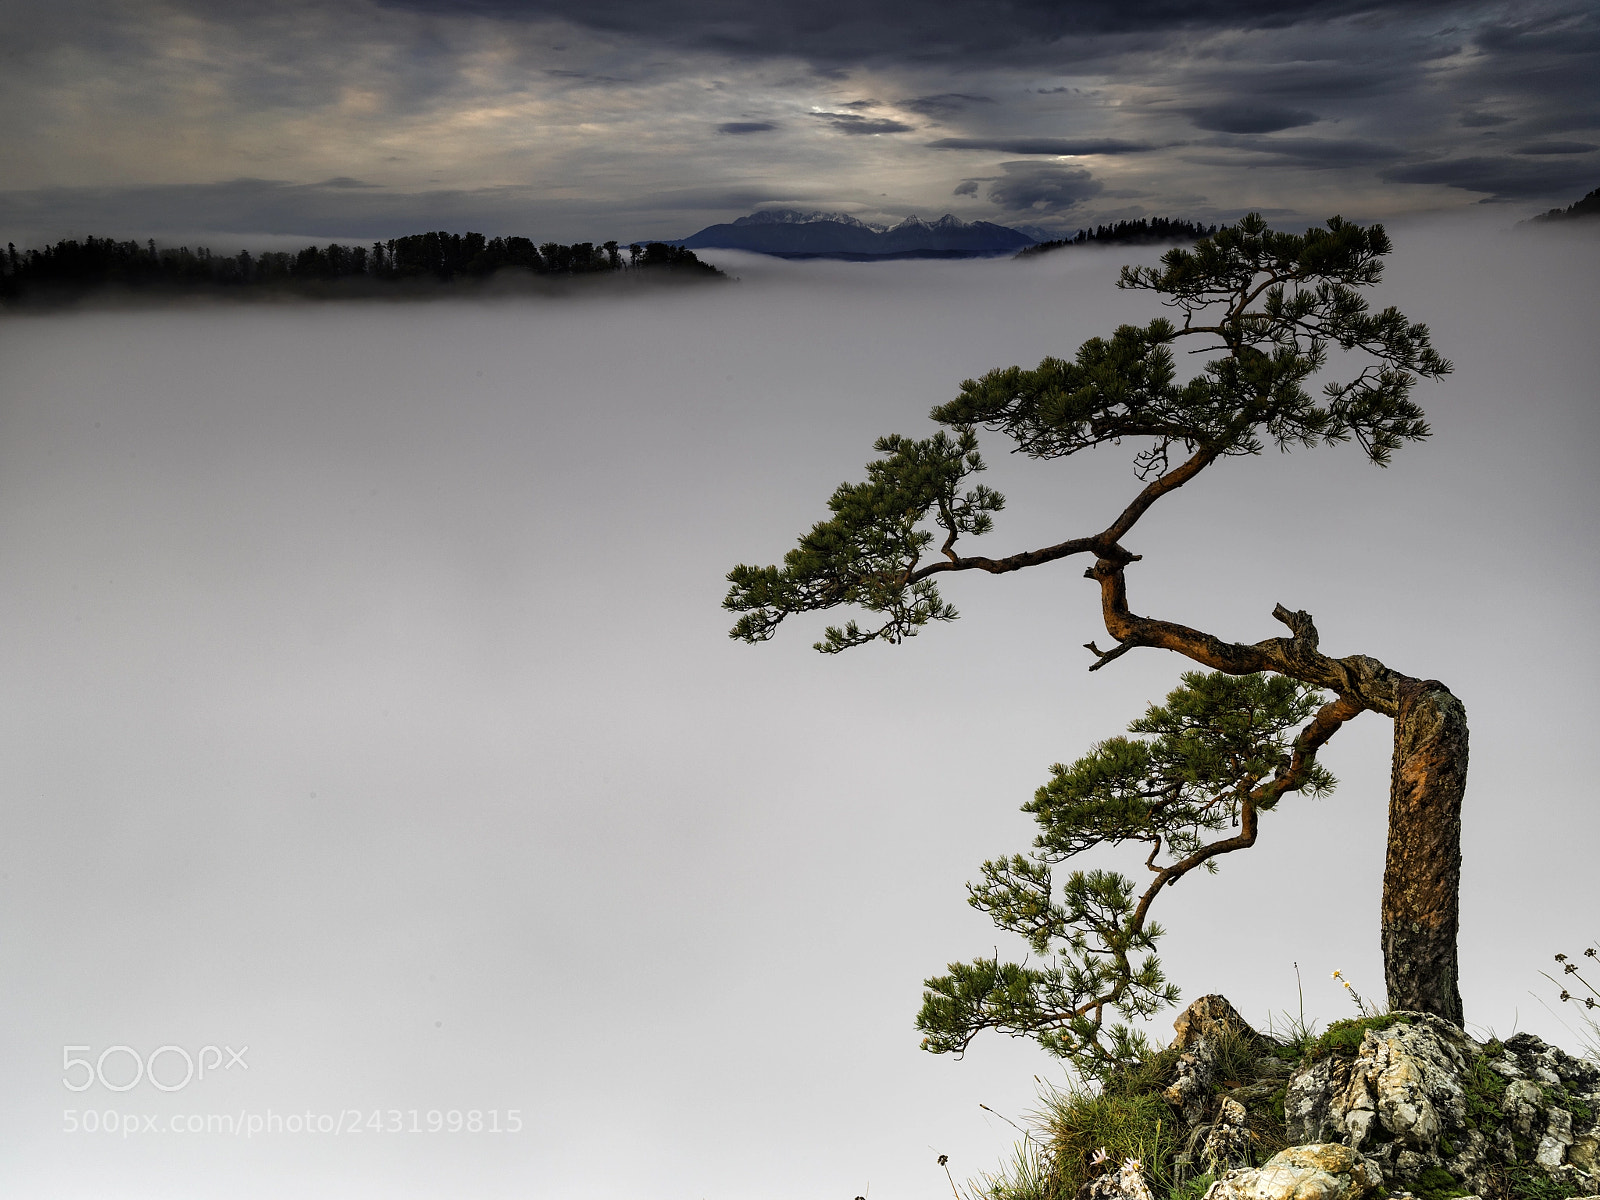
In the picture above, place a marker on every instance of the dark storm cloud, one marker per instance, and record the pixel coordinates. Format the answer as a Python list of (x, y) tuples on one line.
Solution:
[(945, 104), (834, 32), (1058, 147), (1540, 31), (1281, 86), (1316, 153), (1503, 178), (855, 124), (967, 187), (1572, 117), (465, 90), (1042, 189), (1557, 148), (1544, 57), (1250, 118)]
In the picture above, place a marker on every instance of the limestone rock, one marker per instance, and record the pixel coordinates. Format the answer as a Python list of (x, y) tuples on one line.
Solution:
[(1396, 1100), (1552, 1150), (1552, 1065), (1522, 1104), (1403, 1102), (1323, 1171), (1198, 1032), (1192, 1089), (1211, 1018), (1415, 1104), (1216, 1112), (1125, 1183), (1317, 1102), (1585, 1154), (1229, 1141)]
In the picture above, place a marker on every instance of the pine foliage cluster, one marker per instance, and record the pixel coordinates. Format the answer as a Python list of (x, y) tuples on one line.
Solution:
[(1272, 305), (859, 555), (1220, 750)]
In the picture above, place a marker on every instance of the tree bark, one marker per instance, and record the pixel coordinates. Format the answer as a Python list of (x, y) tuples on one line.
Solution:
[(1422, 868)]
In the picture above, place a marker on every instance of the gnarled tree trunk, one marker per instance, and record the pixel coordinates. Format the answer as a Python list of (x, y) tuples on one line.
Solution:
[(1422, 869)]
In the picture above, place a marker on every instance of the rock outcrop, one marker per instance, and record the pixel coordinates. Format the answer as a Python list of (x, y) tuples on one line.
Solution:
[(1404, 1104), (1318, 1172), (1124, 1183)]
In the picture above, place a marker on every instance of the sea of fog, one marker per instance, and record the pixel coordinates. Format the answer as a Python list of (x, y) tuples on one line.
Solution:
[(369, 714)]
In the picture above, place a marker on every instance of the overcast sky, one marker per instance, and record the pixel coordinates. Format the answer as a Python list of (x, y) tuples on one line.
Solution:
[(591, 119)]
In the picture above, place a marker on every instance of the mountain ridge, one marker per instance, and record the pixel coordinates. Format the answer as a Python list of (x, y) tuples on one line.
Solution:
[(792, 233), (795, 216)]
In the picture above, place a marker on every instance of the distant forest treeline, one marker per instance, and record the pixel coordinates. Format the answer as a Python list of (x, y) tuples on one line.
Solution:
[(74, 267), (1589, 206), (1145, 229)]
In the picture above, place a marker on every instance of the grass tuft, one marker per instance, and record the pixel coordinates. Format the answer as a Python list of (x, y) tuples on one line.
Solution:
[(1026, 1177), (1292, 1037), (1235, 1056), (1194, 1189), (1077, 1123), (1344, 1038), (1150, 1074)]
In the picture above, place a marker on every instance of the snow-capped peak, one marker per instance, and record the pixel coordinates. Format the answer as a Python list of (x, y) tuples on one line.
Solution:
[(946, 222), (794, 216)]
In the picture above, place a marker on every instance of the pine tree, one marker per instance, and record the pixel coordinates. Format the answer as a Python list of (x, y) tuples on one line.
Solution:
[(1273, 307), (1217, 755)]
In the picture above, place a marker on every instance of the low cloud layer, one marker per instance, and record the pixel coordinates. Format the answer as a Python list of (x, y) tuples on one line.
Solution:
[(371, 705)]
